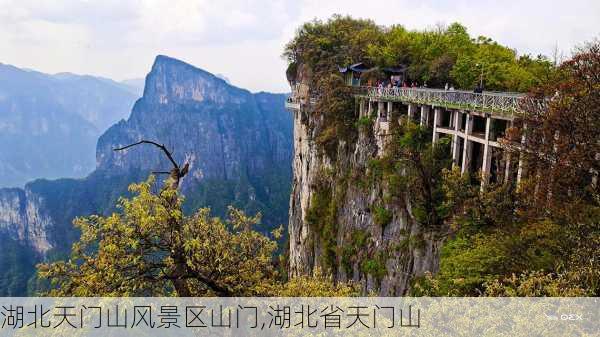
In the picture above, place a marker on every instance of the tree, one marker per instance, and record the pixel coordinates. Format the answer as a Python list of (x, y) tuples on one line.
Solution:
[(340, 41), (317, 285), (562, 135), (562, 156), (176, 173), (419, 165), (152, 249)]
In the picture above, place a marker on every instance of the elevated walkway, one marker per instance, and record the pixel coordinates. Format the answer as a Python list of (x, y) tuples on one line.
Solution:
[(475, 122), (501, 103)]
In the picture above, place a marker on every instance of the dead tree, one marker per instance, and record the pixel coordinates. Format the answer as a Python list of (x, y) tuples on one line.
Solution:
[(176, 172)]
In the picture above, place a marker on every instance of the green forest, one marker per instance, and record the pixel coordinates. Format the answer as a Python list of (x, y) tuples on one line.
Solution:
[(434, 57)]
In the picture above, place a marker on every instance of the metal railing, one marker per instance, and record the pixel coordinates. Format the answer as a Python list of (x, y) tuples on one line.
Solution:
[(505, 103), (300, 95), (292, 104)]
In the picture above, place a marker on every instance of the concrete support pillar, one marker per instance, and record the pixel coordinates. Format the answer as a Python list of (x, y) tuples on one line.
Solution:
[(487, 154), (507, 160), (595, 173), (412, 108), (521, 167), (381, 109), (466, 160), (370, 111), (361, 108), (424, 115), (456, 117), (437, 117)]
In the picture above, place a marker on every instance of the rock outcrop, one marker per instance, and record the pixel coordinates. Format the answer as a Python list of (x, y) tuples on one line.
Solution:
[(354, 243), (23, 218)]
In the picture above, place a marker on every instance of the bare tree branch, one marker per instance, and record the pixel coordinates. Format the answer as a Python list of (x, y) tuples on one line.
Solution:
[(160, 146), (160, 172)]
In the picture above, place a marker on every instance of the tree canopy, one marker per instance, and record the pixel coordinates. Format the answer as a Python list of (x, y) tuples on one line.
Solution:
[(444, 54)]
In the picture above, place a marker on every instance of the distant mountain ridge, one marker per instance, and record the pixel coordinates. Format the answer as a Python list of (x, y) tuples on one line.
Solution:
[(238, 144), (49, 124), (135, 85)]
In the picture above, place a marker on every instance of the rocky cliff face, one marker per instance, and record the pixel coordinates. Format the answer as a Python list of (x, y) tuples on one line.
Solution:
[(23, 218), (238, 144), (366, 237)]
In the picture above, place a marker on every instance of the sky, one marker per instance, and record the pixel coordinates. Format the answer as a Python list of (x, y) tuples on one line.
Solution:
[(244, 39)]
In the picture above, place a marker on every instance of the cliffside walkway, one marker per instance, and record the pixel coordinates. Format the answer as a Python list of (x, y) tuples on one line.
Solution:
[(475, 122), (497, 103), (505, 103)]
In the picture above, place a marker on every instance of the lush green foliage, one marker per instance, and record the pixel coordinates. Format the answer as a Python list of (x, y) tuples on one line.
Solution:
[(375, 266), (321, 218), (417, 169), (17, 265), (354, 249), (323, 46), (337, 107), (382, 216), (365, 123), (152, 248), (541, 239), (436, 56)]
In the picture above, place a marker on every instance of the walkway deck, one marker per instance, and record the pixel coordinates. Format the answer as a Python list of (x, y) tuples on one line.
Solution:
[(492, 102)]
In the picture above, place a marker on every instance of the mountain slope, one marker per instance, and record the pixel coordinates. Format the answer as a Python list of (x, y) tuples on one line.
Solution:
[(49, 124), (238, 144)]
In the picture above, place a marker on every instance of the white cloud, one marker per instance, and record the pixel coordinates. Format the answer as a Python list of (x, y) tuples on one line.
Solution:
[(243, 39)]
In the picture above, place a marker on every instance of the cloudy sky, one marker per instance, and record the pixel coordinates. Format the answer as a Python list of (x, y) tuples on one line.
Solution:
[(244, 39)]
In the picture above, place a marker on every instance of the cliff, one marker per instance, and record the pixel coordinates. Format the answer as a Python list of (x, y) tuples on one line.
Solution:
[(342, 218), (23, 218)]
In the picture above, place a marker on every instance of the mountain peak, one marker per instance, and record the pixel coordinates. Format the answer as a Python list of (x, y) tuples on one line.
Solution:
[(164, 62), (174, 80)]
